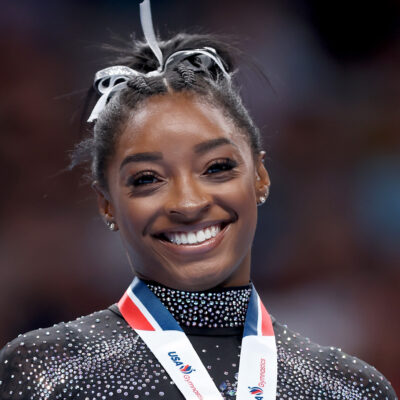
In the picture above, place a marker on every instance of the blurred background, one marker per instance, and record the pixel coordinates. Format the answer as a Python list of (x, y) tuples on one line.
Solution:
[(327, 253)]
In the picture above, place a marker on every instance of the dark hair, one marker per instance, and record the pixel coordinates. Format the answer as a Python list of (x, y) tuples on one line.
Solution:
[(213, 87)]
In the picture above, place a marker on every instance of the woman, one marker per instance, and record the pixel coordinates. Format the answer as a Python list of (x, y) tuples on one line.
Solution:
[(178, 170)]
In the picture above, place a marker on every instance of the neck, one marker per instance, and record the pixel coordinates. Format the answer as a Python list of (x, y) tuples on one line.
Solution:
[(214, 308)]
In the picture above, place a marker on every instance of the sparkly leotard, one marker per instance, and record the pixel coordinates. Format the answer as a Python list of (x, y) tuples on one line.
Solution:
[(99, 356)]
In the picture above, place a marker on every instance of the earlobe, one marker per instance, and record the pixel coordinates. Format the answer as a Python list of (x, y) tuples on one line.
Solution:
[(105, 206)]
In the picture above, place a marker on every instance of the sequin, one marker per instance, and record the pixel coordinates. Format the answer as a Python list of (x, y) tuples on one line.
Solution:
[(100, 357), (224, 308)]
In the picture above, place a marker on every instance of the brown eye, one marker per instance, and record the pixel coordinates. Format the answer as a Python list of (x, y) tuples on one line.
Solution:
[(145, 178), (221, 166)]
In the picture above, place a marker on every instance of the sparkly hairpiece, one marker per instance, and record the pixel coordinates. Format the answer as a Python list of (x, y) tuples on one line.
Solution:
[(113, 79)]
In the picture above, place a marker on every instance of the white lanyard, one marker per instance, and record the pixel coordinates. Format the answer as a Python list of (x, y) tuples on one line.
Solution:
[(257, 380)]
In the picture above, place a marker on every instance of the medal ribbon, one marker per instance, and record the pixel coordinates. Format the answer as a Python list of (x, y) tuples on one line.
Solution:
[(257, 380)]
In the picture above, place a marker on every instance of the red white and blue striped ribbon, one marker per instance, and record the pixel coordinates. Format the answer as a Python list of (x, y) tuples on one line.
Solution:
[(257, 379)]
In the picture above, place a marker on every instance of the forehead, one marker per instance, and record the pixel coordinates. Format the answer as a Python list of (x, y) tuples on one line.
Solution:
[(176, 122)]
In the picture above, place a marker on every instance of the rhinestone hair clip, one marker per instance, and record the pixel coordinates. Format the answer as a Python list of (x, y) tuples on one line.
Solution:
[(110, 80)]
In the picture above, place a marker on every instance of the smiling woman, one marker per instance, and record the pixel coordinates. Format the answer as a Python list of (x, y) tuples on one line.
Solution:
[(179, 186), (177, 167)]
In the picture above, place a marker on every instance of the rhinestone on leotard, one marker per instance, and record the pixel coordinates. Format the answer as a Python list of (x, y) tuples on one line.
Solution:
[(219, 308), (99, 357)]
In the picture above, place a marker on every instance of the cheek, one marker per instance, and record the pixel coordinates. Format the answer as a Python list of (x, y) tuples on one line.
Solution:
[(241, 198), (247, 209), (240, 194), (133, 216)]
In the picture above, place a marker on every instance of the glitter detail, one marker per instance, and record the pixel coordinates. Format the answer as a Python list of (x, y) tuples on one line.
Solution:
[(222, 308), (116, 70), (100, 357), (82, 360)]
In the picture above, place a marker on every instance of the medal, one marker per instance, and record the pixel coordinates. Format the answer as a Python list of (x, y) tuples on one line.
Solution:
[(257, 378)]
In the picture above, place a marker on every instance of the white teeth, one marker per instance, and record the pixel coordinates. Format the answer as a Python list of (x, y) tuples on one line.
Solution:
[(200, 236), (177, 238), (193, 237), (183, 238)]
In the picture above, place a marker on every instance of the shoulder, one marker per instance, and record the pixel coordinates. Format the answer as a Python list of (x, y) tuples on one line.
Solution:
[(46, 360), (313, 371)]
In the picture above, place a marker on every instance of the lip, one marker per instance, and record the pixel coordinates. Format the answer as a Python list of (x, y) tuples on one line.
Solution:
[(200, 248)]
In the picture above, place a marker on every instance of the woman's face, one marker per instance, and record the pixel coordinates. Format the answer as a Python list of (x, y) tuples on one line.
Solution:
[(183, 189)]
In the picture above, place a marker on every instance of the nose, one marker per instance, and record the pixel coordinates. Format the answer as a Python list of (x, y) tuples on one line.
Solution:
[(187, 200)]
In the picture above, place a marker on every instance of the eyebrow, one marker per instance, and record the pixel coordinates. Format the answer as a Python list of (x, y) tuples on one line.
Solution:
[(203, 147), (199, 148), (141, 157)]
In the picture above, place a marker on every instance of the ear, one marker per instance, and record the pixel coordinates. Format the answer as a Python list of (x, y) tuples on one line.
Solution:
[(105, 206), (262, 181)]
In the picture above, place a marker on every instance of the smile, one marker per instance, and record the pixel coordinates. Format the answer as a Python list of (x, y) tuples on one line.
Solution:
[(193, 237), (201, 240)]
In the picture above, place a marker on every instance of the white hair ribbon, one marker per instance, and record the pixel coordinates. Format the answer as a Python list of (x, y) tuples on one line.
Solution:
[(148, 30), (113, 79), (107, 81), (206, 51)]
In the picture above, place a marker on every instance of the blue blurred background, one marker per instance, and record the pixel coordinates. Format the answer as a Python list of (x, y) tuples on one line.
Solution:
[(327, 252)]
